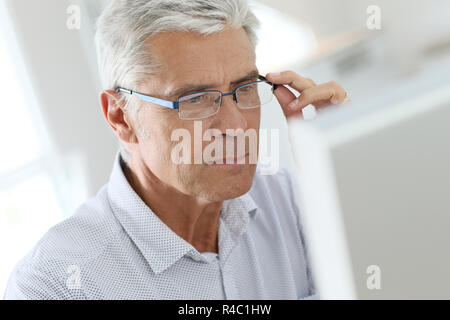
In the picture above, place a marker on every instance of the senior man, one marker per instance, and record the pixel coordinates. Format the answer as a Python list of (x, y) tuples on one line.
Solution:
[(168, 229)]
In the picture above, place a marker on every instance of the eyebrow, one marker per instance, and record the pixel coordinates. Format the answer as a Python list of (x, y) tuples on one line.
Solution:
[(253, 75)]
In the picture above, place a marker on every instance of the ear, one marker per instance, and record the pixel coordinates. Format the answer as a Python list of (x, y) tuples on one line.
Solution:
[(117, 117)]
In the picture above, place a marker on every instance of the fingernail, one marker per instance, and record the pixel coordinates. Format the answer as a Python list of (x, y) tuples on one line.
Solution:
[(335, 101), (294, 103), (275, 74)]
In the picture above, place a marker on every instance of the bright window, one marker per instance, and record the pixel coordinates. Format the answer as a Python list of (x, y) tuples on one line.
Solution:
[(283, 41), (18, 138), (29, 203)]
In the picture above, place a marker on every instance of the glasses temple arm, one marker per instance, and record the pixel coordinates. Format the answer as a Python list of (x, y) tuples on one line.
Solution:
[(274, 86)]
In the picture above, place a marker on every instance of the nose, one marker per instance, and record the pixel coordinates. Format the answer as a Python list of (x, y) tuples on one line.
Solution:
[(230, 116)]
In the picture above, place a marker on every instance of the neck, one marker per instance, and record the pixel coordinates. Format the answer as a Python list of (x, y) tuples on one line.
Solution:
[(194, 219)]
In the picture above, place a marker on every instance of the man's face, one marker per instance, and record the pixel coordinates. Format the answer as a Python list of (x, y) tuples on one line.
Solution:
[(189, 58)]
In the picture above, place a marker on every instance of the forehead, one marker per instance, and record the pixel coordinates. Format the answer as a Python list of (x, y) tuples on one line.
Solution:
[(187, 57)]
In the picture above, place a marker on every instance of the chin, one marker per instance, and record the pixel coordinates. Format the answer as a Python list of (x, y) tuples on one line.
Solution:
[(229, 183)]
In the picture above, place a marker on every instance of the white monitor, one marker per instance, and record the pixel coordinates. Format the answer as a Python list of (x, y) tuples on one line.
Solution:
[(374, 191)]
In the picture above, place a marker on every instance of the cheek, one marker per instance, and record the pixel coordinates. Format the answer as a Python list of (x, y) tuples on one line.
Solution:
[(254, 123), (158, 144), (253, 118), (177, 140)]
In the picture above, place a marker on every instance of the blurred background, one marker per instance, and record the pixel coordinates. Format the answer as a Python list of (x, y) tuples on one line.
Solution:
[(57, 149)]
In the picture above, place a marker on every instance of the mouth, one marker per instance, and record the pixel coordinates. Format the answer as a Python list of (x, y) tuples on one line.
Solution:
[(231, 161)]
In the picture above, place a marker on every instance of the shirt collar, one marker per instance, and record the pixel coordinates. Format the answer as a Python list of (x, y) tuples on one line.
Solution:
[(160, 246)]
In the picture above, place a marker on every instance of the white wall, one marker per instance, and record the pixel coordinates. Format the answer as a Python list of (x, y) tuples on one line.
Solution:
[(65, 85)]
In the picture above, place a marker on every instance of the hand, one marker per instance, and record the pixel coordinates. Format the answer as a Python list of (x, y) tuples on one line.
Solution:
[(319, 96)]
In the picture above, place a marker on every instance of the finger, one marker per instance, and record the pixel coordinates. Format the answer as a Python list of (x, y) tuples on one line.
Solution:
[(284, 97), (291, 79), (319, 96), (340, 95), (347, 98), (323, 103)]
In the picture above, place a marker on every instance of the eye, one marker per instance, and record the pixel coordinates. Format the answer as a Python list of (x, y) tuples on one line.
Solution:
[(196, 99), (248, 88)]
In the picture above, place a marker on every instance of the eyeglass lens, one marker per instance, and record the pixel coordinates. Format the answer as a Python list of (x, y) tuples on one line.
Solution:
[(201, 105)]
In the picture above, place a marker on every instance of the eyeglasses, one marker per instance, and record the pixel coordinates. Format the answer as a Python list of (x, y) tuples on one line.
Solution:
[(204, 104)]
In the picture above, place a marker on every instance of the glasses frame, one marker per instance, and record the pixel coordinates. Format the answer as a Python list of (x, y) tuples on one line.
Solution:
[(175, 105)]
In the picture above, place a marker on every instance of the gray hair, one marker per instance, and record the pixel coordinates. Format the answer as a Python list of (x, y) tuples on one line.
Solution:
[(125, 26)]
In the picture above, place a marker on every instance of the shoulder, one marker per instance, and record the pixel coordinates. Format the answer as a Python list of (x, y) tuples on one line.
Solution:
[(71, 244), (82, 236)]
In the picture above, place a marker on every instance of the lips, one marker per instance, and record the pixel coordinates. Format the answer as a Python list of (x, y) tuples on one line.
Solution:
[(231, 161)]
